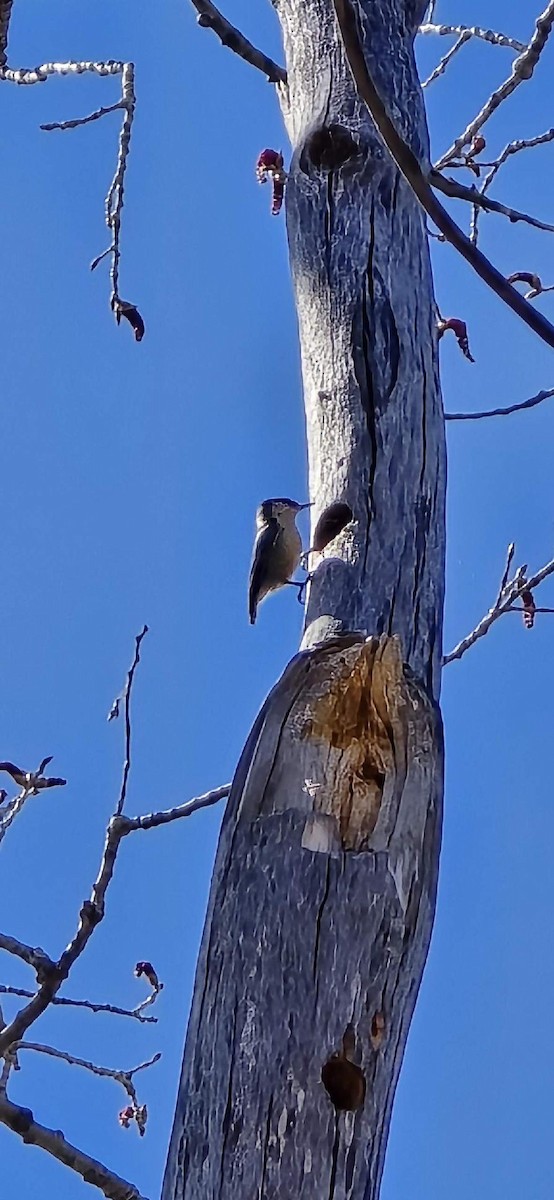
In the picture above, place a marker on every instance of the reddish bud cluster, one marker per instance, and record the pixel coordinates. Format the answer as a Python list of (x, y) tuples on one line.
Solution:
[(459, 329), (146, 969), (529, 609), (131, 1113), (270, 165)]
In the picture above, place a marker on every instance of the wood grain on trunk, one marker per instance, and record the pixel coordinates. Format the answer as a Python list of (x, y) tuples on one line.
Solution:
[(323, 894)]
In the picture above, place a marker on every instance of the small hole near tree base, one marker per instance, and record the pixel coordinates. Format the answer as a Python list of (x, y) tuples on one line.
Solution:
[(344, 1083), (330, 147)]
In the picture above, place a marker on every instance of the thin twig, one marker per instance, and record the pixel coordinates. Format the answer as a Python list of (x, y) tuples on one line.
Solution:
[(407, 163), (512, 591), (506, 574), (125, 1078), (127, 695), (153, 820), (501, 412), (136, 1013), (114, 199), (22, 1122), (92, 911), (458, 191), (209, 17), (93, 116), (476, 31), (12, 810), (522, 70), (512, 148), (441, 66), (32, 955)]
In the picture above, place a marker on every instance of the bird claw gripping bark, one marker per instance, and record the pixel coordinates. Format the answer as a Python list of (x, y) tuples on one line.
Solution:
[(270, 165)]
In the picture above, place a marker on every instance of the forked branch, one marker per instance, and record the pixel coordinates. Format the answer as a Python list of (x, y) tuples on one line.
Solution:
[(522, 70), (22, 1122), (509, 591), (407, 163)]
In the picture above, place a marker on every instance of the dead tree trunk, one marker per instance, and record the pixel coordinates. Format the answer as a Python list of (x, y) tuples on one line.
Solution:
[(323, 893)]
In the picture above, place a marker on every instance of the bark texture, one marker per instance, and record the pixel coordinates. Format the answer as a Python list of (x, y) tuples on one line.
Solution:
[(323, 895)]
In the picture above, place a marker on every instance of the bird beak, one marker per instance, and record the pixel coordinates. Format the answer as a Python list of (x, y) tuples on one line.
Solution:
[(308, 505)]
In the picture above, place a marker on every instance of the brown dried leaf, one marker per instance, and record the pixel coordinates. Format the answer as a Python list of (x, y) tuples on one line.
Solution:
[(146, 969), (122, 308)]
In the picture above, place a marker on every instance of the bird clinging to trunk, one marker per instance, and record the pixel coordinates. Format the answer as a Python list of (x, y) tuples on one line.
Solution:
[(277, 550)]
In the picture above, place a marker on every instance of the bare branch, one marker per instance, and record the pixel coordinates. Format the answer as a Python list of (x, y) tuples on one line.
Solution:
[(209, 17), (12, 810), (92, 911), (136, 1013), (114, 199), (127, 696), (510, 592), (32, 955), (93, 116), (522, 70), (502, 412), (22, 1122), (441, 66), (506, 574), (410, 168), (512, 148), (5, 14), (475, 31), (458, 191), (31, 75), (153, 820)]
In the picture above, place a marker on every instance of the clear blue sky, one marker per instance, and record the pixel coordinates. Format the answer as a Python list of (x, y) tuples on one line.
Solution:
[(130, 475)]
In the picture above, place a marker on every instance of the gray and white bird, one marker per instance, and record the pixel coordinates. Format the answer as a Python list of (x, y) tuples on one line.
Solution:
[(277, 550)]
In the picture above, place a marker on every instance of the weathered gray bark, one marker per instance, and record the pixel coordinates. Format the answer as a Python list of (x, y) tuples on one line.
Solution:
[(323, 894)]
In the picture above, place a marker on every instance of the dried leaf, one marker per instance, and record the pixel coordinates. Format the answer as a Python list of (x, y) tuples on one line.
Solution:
[(19, 776), (125, 1116), (122, 308), (146, 969)]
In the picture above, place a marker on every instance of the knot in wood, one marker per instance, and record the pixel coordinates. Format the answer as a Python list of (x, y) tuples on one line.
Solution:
[(330, 147), (344, 1083)]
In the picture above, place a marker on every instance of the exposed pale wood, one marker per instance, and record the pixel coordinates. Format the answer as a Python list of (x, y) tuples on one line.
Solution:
[(320, 916), (323, 894)]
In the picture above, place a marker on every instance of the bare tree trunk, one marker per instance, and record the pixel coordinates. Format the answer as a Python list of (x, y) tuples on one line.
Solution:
[(323, 894)]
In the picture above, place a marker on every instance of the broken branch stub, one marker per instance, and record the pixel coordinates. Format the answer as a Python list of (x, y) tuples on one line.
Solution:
[(324, 886)]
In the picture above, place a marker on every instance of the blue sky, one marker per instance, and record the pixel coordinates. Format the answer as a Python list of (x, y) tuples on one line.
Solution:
[(130, 475)]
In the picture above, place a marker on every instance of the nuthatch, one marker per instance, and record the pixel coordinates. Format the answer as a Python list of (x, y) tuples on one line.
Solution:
[(277, 550)]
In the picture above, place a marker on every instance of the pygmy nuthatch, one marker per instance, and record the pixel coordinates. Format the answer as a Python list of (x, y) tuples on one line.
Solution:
[(277, 550)]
